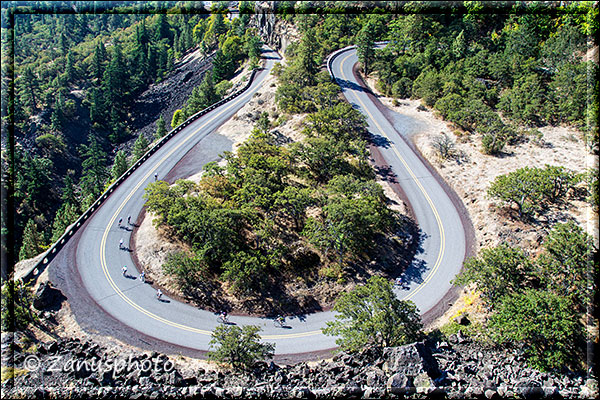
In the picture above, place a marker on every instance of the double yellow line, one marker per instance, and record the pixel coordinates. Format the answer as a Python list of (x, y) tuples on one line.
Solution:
[(122, 295), (442, 233), (103, 262)]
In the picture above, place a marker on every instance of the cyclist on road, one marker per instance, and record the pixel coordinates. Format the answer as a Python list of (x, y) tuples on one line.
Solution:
[(158, 294), (143, 277), (124, 269), (281, 320), (155, 177), (121, 243), (120, 220), (224, 316)]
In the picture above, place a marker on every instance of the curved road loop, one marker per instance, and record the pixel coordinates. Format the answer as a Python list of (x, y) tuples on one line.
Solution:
[(99, 259), (443, 242)]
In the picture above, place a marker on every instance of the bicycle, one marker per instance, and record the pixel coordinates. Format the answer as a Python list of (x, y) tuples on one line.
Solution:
[(279, 322), (223, 319)]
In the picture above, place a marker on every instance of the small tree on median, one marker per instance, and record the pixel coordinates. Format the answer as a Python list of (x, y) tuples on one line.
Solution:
[(239, 347), (372, 315)]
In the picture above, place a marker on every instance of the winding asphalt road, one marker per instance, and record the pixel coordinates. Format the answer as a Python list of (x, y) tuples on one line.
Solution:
[(443, 242), (99, 259)]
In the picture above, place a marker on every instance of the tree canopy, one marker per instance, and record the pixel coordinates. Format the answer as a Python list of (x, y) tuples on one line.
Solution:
[(371, 314)]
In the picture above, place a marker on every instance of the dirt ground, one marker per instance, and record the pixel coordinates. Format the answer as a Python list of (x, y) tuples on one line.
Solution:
[(471, 175)]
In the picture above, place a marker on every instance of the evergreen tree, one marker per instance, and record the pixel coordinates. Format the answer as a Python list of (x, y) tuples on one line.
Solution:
[(116, 79), (365, 46), (306, 58), (32, 241), (161, 129), (65, 216), (99, 61), (120, 165), (57, 116), (31, 88), (140, 147), (94, 169), (222, 67), (162, 29), (70, 67)]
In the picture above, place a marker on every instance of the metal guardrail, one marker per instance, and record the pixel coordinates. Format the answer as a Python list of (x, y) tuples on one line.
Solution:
[(336, 53), (39, 267)]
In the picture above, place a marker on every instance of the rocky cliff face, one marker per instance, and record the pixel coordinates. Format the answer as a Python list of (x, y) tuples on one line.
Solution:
[(273, 31), (457, 368)]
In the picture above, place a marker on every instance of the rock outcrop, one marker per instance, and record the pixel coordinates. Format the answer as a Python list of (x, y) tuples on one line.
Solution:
[(72, 368)]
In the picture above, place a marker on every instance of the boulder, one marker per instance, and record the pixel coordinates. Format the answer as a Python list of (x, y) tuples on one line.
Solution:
[(400, 384), (410, 360), (47, 297)]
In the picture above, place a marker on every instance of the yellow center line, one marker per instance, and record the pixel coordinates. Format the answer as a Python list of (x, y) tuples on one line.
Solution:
[(120, 208), (425, 194)]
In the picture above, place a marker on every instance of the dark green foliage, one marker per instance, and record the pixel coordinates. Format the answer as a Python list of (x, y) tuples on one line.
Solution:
[(530, 189), (241, 219), (222, 67), (498, 272), (188, 270), (539, 303), (545, 324), (567, 264), (371, 314), (94, 170), (352, 215), (529, 59), (120, 166), (16, 306), (140, 147), (365, 41), (32, 241), (239, 347), (523, 103), (161, 129)]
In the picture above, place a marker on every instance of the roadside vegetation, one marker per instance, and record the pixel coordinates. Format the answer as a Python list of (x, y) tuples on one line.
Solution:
[(540, 303), (371, 316), (238, 348), (490, 74)]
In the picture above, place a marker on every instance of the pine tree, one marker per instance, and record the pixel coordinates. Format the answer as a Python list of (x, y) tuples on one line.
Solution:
[(94, 169), (162, 29), (99, 61), (222, 67), (70, 67), (66, 215), (365, 46), (306, 57), (120, 165), (57, 116), (161, 129), (140, 147), (31, 88), (116, 79), (32, 241)]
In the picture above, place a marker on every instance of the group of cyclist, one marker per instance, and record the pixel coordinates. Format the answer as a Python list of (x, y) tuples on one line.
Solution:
[(128, 220)]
